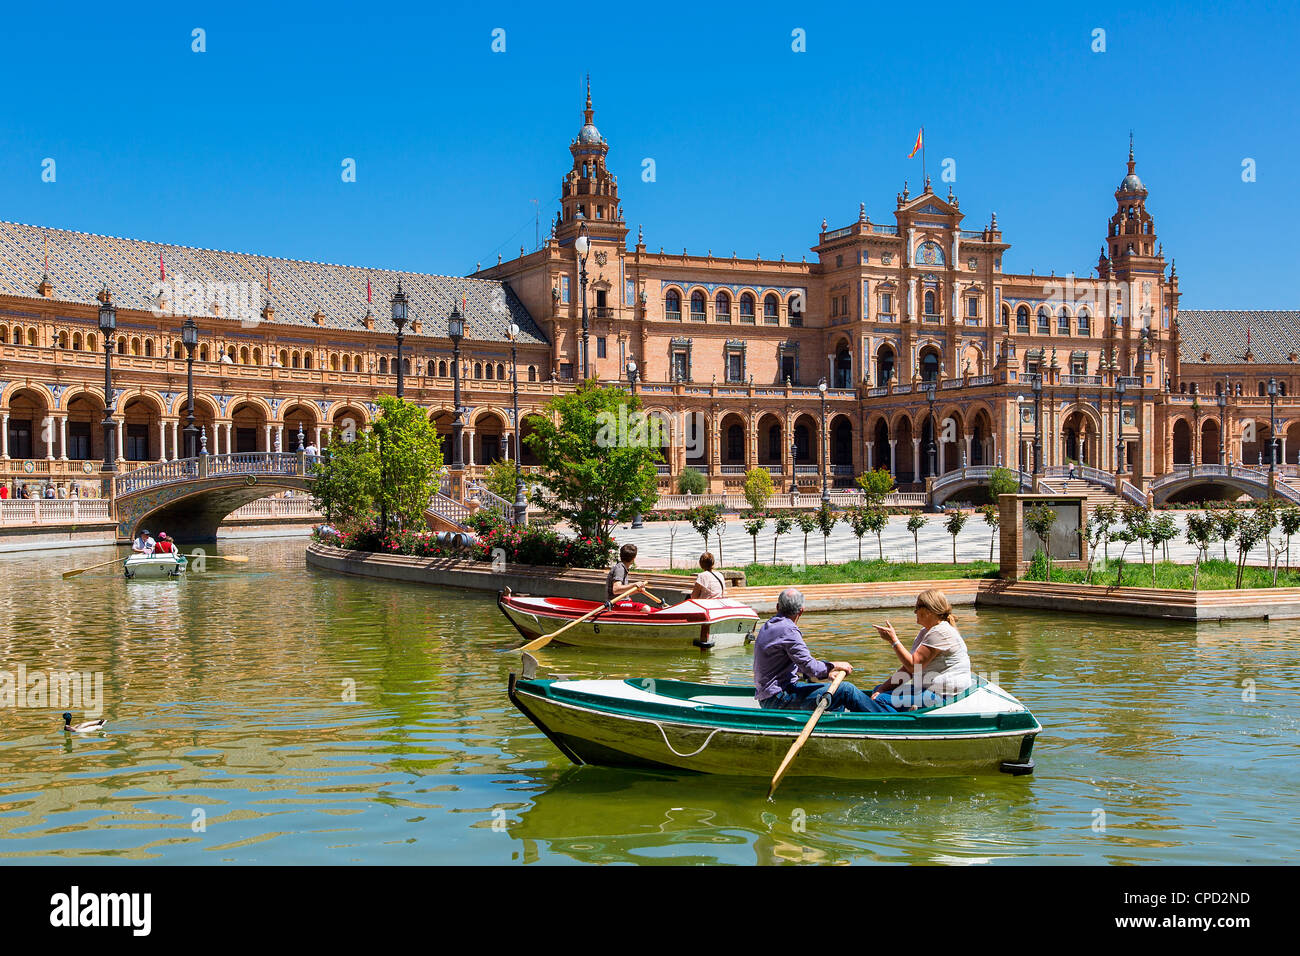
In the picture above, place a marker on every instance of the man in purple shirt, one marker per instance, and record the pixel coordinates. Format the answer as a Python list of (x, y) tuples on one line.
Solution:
[(780, 655)]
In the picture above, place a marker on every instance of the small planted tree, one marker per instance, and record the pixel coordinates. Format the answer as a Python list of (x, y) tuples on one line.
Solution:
[(1040, 519), (807, 521), (691, 482), (704, 519), (758, 490), (1226, 521), (500, 477), (1289, 518), (875, 485), (914, 524), (1134, 521), (1249, 530), (672, 536), (1003, 481), (990, 515), (1160, 529), (954, 522), (877, 520), (1097, 526), (826, 524), (1200, 532), (754, 527), (857, 519), (782, 525)]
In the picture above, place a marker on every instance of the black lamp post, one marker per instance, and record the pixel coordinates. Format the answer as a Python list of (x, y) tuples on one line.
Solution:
[(794, 465), (398, 304), (636, 502), (1272, 425), (582, 245), (521, 505), (932, 448), (1038, 423), (1020, 435), (1223, 424), (1119, 426), (456, 331), (107, 326), (825, 443), (190, 338)]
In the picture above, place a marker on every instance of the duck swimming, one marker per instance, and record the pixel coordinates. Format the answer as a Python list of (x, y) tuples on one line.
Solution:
[(86, 727)]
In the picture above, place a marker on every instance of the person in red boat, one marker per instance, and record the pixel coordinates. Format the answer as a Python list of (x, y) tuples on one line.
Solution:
[(617, 579)]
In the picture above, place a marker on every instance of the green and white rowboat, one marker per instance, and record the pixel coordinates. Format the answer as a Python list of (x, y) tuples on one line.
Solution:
[(154, 565), (719, 728)]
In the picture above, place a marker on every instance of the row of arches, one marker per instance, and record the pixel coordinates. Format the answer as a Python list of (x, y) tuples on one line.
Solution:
[(1066, 323), (745, 306), (1187, 450)]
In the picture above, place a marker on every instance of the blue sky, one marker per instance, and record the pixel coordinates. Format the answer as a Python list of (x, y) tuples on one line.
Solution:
[(241, 147)]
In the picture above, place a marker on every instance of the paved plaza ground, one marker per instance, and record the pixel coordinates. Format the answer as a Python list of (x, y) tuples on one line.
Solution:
[(935, 543)]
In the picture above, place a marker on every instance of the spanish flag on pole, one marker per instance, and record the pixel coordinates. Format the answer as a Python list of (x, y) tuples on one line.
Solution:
[(920, 135)]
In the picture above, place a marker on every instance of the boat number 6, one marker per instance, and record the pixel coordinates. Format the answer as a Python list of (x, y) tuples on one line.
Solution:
[(595, 628)]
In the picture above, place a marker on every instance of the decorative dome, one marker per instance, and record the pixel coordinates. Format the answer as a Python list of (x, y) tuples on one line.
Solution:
[(589, 134), (1131, 183)]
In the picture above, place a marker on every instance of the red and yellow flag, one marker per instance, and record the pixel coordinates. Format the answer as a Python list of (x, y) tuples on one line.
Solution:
[(917, 148)]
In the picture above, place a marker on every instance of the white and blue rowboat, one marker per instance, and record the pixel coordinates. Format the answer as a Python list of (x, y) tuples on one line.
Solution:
[(154, 565)]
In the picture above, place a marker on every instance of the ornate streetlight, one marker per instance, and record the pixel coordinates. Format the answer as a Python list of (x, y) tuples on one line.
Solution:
[(636, 502), (456, 331), (582, 245), (190, 338), (398, 304), (932, 449), (1119, 425), (794, 465), (521, 505), (1272, 425), (107, 326), (1020, 435), (1038, 423), (825, 443), (1223, 424)]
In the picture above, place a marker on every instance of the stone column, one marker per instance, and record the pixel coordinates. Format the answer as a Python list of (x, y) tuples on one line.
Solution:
[(121, 438), (162, 440), (916, 459), (279, 437), (868, 468), (63, 437), (469, 438), (4, 434), (893, 457), (176, 439), (969, 439), (940, 463), (267, 427), (318, 437)]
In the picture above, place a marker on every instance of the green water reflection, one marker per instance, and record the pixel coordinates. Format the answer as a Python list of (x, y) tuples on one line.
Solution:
[(231, 737)]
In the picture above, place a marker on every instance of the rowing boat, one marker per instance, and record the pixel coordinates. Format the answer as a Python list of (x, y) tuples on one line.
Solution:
[(720, 729), (154, 565), (702, 622)]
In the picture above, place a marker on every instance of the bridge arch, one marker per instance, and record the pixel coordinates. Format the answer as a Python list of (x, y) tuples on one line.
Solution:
[(193, 510)]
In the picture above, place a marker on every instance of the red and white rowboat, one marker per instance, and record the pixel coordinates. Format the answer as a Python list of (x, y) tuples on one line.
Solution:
[(705, 622)]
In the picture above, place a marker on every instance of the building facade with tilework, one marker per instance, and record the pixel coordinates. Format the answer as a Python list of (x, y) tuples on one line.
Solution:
[(910, 321)]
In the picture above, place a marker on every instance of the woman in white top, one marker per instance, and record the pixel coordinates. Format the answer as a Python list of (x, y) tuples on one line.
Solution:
[(938, 664), (708, 583)]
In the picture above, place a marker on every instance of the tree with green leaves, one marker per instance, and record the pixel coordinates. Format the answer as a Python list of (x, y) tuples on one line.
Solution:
[(704, 519), (1200, 533), (914, 524), (875, 485), (346, 479), (1267, 515), (758, 490), (754, 527), (990, 515), (1289, 518), (597, 451), (807, 522), (1249, 531), (826, 524), (857, 520), (691, 482), (1002, 481), (877, 520), (499, 478), (1226, 521), (954, 521), (1039, 519), (1096, 528), (1160, 528), (783, 524)]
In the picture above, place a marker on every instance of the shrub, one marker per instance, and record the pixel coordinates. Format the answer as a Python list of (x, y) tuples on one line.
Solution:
[(691, 482)]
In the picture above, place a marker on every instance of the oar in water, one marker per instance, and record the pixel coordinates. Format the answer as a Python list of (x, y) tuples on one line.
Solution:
[(73, 574), (807, 732), (547, 638), (237, 558)]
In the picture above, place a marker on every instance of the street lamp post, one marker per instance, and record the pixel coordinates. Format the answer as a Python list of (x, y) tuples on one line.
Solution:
[(107, 326), (456, 331), (1020, 435), (794, 465), (1223, 424), (1038, 423), (825, 443), (1272, 426), (931, 449), (399, 306), (521, 505), (636, 502), (582, 245), (190, 338), (1119, 426)]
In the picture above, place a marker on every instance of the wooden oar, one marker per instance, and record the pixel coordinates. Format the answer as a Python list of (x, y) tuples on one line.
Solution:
[(547, 638), (237, 558), (654, 597), (73, 574), (807, 732)]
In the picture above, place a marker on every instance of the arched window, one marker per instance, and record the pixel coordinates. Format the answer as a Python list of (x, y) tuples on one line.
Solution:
[(76, 341), (673, 304), (1218, 388), (296, 358), (1006, 314), (1085, 322), (1044, 320), (306, 360), (771, 309), (31, 336), (383, 365), (442, 368), (1022, 319), (284, 359), (747, 307), (121, 345), (1262, 390), (929, 302), (489, 370), (334, 361), (794, 308), (478, 369), (135, 346), (431, 368), (4, 335), (532, 373), (697, 306), (231, 352), (1063, 322), (243, 355), (501, 371), (722, 307), (930, 366), (203, 353), (91, 342)]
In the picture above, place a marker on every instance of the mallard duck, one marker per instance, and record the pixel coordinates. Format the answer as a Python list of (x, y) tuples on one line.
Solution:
[(85, 727)]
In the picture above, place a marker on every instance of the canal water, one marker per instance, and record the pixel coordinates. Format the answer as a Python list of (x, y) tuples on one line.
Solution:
[(267, 713)]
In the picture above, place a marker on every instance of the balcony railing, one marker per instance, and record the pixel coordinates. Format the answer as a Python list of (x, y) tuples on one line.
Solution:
[(1080, 379)]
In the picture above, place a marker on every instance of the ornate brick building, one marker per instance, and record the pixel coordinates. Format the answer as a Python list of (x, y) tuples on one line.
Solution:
[(911, 322)]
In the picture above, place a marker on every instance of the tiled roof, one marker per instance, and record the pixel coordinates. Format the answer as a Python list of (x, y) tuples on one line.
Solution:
[(1273, 336), (80, 264)]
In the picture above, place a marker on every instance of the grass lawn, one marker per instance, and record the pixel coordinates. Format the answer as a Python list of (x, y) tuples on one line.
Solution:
[(1217, 575), (852, 571)]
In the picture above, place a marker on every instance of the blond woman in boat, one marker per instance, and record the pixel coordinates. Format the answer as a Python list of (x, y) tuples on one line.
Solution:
[(936, 666)]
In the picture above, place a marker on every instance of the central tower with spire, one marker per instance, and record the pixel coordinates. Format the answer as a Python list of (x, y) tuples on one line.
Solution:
[(589, 191), (1131, 235)]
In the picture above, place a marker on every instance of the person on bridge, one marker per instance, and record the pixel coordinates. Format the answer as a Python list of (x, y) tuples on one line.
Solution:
[(143, 544)]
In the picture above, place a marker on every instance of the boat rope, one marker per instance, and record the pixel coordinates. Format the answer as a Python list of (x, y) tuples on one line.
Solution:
[(693, 753)]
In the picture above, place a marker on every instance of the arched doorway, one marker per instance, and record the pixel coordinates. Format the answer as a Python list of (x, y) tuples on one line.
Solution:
[(930, 365), (1210, 442), (29, 436), (843, 370), (86, 428), (300, 416), (841, 452), (1182, 442), (905, 468), (885, 362), (770, 451), (695, 432), (489, 439), (141, 438), (880, 456), (733, 443), (249, 422), (1078, 438)]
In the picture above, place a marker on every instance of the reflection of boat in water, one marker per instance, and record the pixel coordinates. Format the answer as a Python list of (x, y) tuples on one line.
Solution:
[(720, 729), (702, 622), (154, 566)]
